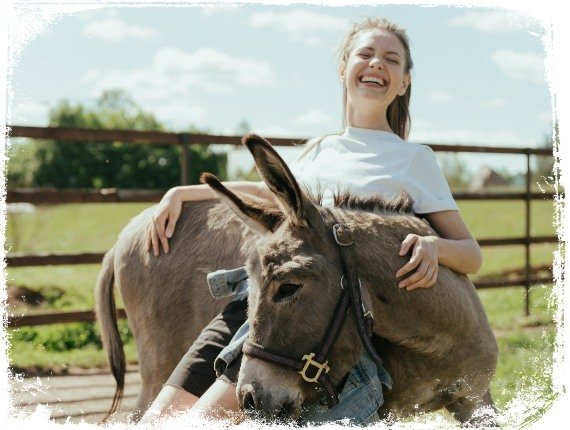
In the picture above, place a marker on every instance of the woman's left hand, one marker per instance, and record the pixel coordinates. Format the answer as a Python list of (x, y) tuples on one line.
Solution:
[(424, 260)]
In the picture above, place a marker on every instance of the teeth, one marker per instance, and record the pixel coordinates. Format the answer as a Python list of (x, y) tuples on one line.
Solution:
[(372, 79)]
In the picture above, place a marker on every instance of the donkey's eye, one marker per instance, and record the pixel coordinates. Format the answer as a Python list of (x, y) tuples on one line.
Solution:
[(285, 291)]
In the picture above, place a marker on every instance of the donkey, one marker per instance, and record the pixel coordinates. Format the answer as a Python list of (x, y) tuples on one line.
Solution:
[(437, 344)]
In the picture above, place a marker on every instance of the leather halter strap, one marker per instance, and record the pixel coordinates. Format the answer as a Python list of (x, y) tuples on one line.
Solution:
[(350, 298)]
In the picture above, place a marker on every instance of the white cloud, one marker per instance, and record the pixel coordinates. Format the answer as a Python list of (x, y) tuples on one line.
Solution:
[(494, 103), (520, 65), (28, 112), (492, 22), (301, 25), (174, 72), (314, 117), (112, 29), (440, 97), (178, 115)]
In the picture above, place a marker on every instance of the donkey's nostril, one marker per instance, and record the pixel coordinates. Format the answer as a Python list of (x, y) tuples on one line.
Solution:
[(248, 402)]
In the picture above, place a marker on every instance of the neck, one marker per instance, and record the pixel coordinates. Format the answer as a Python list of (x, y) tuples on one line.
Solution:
[(396, 312), (372, 117)]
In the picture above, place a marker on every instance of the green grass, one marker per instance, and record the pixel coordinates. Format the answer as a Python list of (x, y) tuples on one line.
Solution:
[(526, 343), (88, 227), (505, 218)]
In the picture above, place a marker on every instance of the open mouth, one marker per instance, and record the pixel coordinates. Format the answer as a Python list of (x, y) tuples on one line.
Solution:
[(376, 81)]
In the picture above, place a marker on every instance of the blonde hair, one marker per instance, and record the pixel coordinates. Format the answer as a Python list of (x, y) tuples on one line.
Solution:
[(398, 113)]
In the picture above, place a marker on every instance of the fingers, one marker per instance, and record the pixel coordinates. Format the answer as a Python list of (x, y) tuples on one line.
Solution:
[(171, 225), (410, 265), (159, 223), (407, 243), (420, 273), (427, 281), (148, 238), (154, 239), (424, 261)]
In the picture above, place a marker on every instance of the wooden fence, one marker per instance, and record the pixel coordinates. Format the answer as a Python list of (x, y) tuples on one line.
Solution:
[(54, 196)]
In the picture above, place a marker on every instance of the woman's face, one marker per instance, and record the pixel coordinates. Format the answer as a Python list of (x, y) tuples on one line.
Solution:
[(375, 70)]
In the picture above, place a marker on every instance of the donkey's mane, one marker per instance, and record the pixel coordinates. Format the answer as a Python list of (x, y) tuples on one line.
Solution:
[(373, 203)]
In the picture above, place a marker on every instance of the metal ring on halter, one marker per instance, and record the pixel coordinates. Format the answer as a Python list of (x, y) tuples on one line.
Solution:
[(342, 285), (336, 227)]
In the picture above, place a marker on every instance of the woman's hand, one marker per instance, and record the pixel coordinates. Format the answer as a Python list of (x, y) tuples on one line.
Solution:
[(163, 222), (424, 259)]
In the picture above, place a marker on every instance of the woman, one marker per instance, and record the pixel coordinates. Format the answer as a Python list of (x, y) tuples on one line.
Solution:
[(370, 156)]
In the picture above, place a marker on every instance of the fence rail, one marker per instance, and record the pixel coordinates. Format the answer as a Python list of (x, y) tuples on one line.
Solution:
[(83, 135), (115, 195), (47, 259)]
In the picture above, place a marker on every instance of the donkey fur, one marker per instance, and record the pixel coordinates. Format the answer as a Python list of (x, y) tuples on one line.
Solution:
[(436, 343)]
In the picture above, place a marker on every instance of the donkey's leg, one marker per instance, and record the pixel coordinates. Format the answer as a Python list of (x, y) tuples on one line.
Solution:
[(474, 412)]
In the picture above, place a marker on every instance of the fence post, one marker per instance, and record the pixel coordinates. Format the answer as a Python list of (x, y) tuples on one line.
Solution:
[(527, 236), (184, 159)]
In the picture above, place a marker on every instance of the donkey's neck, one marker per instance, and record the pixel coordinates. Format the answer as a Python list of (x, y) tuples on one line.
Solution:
[(427, 321)]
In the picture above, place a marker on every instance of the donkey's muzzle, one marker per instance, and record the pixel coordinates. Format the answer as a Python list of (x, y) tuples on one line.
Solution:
[(259, 404)]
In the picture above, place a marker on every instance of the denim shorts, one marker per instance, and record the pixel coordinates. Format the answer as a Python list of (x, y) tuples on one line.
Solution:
[(359, 399)]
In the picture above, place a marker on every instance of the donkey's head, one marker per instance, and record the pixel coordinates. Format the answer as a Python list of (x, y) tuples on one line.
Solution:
[(294, 288)]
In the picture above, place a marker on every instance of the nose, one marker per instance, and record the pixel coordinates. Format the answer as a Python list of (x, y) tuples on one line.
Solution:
[(248, 399), (259, 405), (376, 62)]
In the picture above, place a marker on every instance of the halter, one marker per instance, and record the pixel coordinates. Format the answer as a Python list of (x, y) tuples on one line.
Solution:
[(313, 367)]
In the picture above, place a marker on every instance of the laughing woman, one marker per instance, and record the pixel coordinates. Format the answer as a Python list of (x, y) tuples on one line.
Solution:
[(370, 156)]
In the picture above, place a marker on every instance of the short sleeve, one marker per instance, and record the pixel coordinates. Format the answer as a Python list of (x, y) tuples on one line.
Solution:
[(425, 183)]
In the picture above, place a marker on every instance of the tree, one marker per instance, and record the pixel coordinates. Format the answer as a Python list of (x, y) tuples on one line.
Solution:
[(124, 165), (455, 171), (543, 171)]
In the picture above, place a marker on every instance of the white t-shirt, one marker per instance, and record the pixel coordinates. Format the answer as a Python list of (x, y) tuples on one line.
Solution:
[(375, 162)]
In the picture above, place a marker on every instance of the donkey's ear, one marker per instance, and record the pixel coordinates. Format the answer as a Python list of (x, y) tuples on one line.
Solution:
[(258, 214), (279, 179)]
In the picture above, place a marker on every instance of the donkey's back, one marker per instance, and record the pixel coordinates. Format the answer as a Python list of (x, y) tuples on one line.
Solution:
[(166, 298)]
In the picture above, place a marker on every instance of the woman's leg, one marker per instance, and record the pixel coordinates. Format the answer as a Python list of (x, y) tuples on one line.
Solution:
[(219, 402), (195, 373), (169, 401)]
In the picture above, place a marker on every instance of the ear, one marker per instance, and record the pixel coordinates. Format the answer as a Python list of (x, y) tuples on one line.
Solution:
[(260, 215), (405, 84), (280, 181)]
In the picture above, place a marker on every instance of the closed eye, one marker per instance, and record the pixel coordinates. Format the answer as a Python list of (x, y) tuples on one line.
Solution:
[(286, 292)]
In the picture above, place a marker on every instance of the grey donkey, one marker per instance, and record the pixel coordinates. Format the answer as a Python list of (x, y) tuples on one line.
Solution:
[(437, 343)]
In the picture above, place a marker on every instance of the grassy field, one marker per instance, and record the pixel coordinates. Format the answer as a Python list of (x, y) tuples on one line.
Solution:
[(526, 344)]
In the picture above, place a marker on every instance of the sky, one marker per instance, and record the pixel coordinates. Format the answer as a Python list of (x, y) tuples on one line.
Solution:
[(478, 73)]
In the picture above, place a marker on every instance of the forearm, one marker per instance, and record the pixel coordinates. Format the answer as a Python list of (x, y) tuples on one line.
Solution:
[(462, 255), (192, 193)]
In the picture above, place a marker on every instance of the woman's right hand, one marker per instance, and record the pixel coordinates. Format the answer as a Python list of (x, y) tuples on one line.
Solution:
[(163, 222)]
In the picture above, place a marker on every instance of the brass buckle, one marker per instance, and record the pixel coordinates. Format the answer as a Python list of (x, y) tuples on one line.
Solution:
[(338, 227), (324, 366)]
